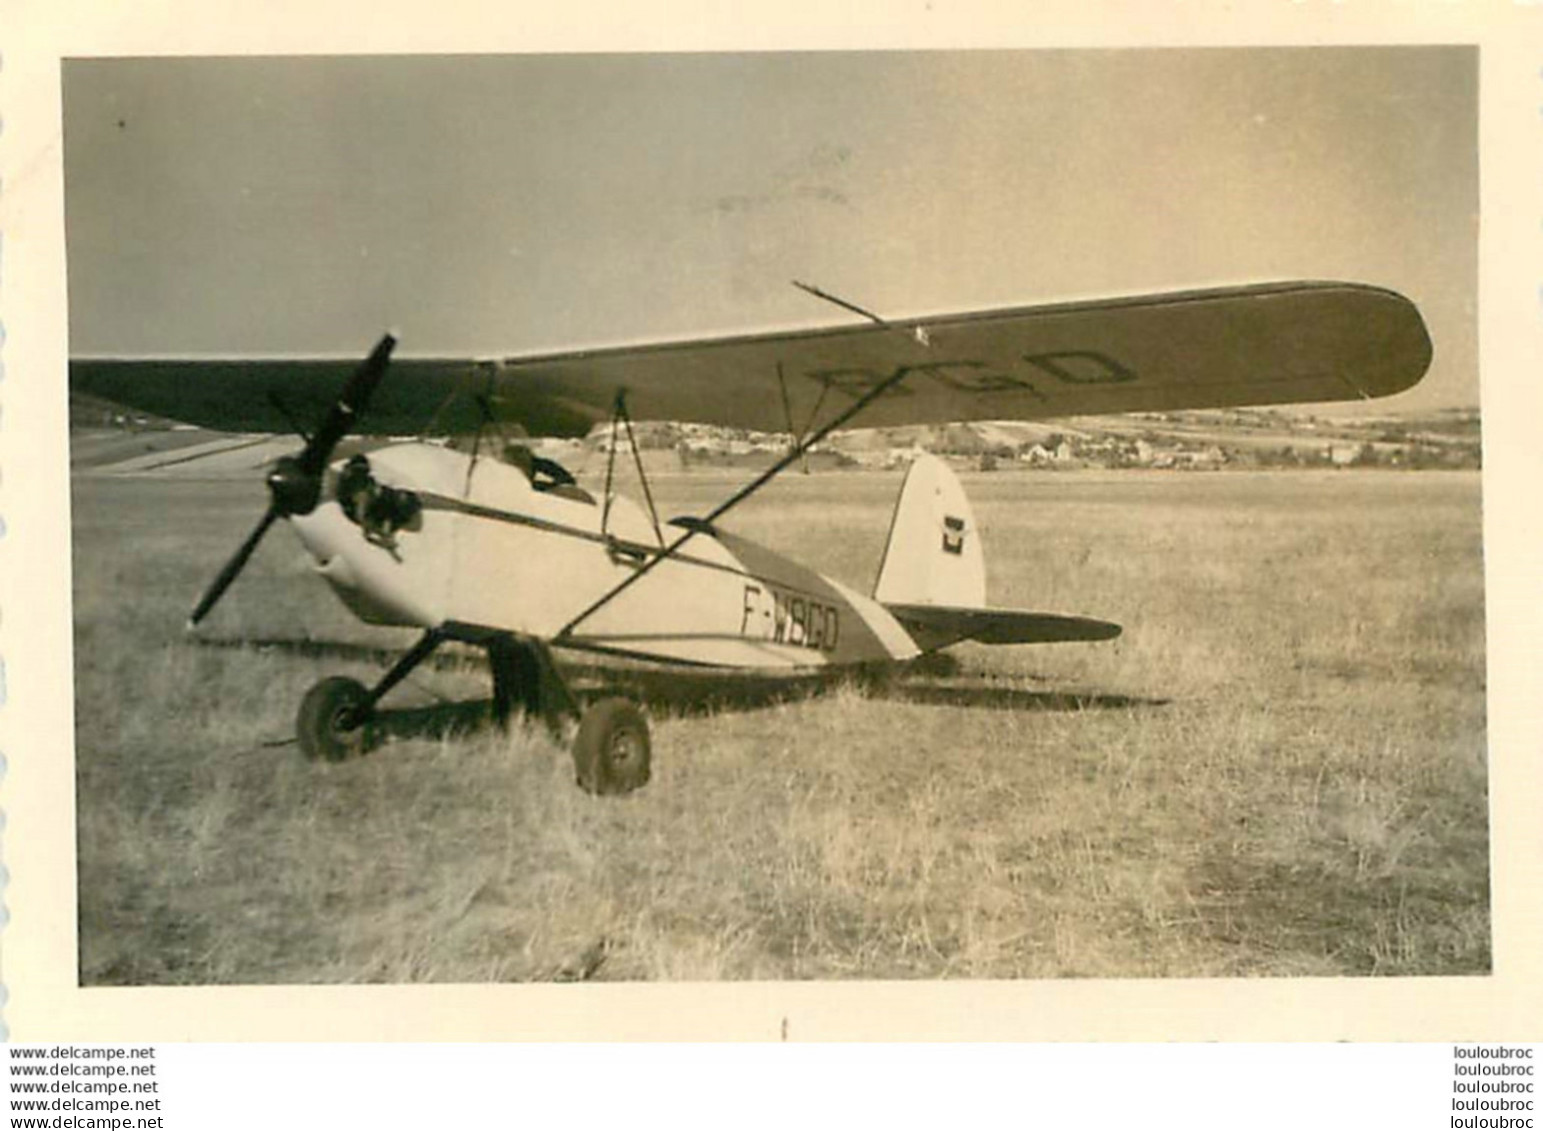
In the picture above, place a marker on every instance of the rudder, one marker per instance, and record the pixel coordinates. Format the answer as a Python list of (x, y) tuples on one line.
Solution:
[(933, 555)]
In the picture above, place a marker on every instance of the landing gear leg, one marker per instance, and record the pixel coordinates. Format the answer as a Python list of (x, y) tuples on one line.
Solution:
[(525, 677), (611, 752), (510, 679)]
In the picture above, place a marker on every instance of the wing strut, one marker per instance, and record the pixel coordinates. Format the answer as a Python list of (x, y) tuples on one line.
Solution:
[(486, 411), (795, 453), (620, 415)]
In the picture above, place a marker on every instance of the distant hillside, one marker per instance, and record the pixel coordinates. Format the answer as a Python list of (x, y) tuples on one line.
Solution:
[(87, 411), (1190, 440), (1196, 440)]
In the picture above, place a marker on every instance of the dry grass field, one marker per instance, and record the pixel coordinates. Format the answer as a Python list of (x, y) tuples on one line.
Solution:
[(1279, 769)]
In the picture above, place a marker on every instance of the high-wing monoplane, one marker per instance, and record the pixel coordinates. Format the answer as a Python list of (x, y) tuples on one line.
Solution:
[(488, 544)]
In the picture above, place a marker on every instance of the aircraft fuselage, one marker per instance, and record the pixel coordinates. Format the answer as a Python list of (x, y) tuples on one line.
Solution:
[(435, 536)]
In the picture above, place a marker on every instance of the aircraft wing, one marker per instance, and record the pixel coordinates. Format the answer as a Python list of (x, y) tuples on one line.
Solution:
[(1274, 343)]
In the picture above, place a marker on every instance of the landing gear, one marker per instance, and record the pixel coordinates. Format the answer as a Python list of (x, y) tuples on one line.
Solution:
[(525, 678), (330, 725), (611, 752)]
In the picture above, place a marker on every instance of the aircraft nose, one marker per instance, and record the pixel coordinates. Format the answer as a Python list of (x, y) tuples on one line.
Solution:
[(324, 533), (338, 572), (369, 578)]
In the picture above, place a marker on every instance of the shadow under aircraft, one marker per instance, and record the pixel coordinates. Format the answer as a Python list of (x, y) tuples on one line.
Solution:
[(937, 680)]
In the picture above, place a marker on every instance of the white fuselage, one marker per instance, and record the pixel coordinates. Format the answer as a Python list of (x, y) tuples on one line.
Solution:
[(485, 547)]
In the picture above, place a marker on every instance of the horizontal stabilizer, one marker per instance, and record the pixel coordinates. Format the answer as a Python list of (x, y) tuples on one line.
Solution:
[(938, 626)]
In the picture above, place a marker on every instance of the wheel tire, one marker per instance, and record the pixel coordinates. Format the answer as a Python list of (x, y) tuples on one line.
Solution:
[(611, 752), (320, 721)]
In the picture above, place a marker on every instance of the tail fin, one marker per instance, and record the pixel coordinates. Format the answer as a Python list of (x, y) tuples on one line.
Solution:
[(933, 578), (934, 555)]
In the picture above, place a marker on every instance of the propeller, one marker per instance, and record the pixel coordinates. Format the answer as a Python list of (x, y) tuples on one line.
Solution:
[(295, 482)]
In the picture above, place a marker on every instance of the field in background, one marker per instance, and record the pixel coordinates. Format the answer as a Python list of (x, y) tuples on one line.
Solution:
[(1278, 770)]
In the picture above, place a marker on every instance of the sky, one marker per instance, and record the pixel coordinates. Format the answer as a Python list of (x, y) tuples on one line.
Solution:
[(501, 205)]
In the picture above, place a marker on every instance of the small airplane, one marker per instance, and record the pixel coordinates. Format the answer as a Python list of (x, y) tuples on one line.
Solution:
[(503, 550)]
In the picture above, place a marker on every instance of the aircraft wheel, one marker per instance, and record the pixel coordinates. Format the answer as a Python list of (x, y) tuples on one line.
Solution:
[(323, 737), (611, 751)]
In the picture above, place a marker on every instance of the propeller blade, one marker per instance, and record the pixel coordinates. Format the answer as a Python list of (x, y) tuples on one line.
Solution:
[(352, 401), (295, 483), (228, 574)]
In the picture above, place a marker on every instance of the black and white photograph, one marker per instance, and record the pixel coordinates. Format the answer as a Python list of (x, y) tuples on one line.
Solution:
[(777, 517)]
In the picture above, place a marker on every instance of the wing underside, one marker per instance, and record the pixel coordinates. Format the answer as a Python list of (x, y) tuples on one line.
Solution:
[(1273, 343)]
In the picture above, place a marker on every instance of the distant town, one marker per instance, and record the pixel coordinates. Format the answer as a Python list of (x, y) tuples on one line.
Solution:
[(1177, 441), (1212, 440)]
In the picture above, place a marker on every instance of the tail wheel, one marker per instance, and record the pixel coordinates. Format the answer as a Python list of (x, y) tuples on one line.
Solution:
[(611, 752), (324, 721)]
